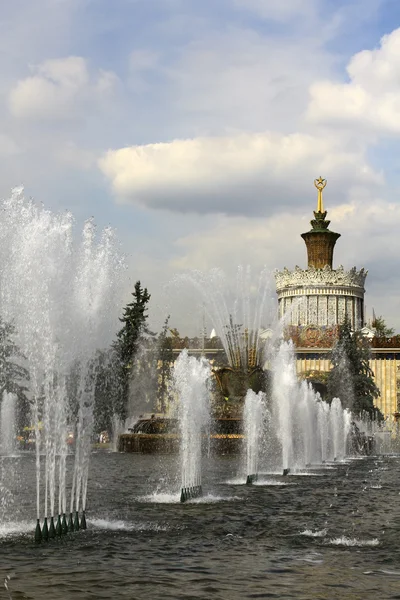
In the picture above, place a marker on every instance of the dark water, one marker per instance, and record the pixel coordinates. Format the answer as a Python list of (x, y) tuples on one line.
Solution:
[(325, 537)]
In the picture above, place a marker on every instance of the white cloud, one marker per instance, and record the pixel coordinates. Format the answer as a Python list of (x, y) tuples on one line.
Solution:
[(242, 174), (241, 240), (371, 98), (239, 79), (59, 89)]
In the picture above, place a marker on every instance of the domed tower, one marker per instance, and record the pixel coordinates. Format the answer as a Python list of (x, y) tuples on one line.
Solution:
[(319, 240), (317, 299)]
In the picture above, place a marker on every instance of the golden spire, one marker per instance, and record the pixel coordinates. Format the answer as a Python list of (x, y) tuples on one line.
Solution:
[(320, 184)]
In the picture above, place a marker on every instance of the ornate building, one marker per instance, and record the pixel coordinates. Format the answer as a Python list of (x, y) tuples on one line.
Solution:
[(314, 301), (320, 296)]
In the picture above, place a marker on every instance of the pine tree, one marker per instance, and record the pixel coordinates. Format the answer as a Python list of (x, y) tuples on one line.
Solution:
[(133, 332), (135, 327), (164, 365), (351, 378)]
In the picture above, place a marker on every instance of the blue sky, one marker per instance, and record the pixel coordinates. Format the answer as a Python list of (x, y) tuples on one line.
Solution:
[(197, 128)]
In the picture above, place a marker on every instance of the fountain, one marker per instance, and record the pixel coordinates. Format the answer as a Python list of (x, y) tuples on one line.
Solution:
[(284, 382), (301, 429), (238, 325), (191, 378), (61, 297), (253, 417), (340, 423), (307, 430), (238, 317), (118, 427)]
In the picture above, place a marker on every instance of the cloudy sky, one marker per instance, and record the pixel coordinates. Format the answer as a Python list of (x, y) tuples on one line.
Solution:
[(196, 128)]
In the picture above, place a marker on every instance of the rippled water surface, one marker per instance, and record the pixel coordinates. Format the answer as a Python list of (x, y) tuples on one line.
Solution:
[(335, 534)]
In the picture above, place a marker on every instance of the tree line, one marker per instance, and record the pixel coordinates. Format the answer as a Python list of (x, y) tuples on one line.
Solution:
[(133, 374)]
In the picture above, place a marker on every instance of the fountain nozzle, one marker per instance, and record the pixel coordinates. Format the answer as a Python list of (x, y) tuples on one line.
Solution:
[(45, 530), (38, 532)]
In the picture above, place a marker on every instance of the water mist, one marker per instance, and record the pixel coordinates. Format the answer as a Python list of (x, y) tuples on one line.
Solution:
[(253, 417), (61, 294), (191, 379)]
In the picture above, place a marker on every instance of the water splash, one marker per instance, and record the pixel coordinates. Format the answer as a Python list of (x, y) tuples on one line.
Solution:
[(61, 294), (191, 377), (239, 314), (317, 533), (308, 431), (284, 382), (253, 417), (8, 430), (118, 427), (345, 541)]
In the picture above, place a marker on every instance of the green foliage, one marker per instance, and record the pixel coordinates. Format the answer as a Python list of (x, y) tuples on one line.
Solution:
[(319, 376), (165, 359), (13, 376), (133, 333), (133, 375), (381, 329), (351, 378), (134, 328)]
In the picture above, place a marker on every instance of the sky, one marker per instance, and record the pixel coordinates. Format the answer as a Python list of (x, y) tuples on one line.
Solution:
[(195, 128)]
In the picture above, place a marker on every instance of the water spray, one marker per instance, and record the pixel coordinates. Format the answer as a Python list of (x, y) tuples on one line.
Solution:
[(191, 382), (253, 416)]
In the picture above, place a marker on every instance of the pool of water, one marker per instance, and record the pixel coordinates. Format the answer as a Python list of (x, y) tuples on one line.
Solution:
[(326, 534)]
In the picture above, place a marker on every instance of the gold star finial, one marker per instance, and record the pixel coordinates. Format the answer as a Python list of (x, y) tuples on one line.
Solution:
[(320, 183)]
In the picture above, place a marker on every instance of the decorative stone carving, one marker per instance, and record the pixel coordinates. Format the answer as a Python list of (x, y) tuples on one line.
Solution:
[(324, 276), (312, 336)]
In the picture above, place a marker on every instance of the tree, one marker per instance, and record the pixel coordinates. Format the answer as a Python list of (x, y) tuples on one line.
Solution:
[(13, 376), (135, 327), (381, 329), (164, 364), (351, 378), (134, 331)]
